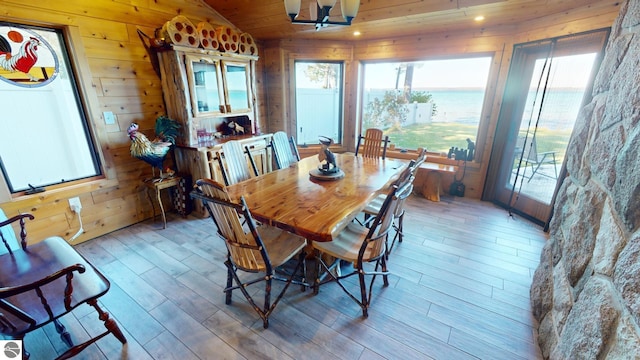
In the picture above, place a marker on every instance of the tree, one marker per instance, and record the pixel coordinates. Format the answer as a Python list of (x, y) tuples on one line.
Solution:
[(391, 112), (322, 73)]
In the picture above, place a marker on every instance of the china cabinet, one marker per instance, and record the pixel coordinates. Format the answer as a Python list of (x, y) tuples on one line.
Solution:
[(202, 88)]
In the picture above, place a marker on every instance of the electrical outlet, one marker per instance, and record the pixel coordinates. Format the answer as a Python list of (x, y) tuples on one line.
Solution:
[(74, 204), (109, 118)]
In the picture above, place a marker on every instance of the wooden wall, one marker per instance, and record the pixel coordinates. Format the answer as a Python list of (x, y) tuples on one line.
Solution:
[(279, 55), (119, 78)]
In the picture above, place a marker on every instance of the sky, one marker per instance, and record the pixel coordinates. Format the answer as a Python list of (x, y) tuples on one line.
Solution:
[(446, 73), (467, 73)]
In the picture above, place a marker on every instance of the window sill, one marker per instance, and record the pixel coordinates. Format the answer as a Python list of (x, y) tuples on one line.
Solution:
[(432, 157), (63, 191)]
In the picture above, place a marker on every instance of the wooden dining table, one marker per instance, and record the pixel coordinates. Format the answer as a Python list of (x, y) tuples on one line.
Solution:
[(292, 200)]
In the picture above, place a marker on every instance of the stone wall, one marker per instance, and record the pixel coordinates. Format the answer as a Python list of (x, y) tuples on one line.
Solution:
[(586, 290)]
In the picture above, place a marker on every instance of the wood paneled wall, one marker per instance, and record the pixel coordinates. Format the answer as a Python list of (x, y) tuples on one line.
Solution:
[(120, 79), (498, 42)]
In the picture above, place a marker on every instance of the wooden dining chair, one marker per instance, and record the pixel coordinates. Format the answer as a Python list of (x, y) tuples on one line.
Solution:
[(357, 245), (285, 150), (234, 163), (374, 207), (374, 144), (42, 282), (251, 248)]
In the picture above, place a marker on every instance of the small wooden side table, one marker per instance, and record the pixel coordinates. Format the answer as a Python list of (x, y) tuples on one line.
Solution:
[(431, 185), (157, 187)]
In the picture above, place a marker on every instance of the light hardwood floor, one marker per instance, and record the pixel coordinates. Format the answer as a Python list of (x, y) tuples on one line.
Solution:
[(459, 290)]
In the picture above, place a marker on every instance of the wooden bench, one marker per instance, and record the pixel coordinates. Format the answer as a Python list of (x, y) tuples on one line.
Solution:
[(429, 179)]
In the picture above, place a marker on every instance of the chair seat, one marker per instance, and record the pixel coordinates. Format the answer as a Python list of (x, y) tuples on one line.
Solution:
[(281, 245), (374, 206), (40, 260), (347, 244)]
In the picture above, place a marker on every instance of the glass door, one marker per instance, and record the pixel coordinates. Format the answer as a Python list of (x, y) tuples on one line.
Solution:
[(236, 77), (548, 83), (203, 74)]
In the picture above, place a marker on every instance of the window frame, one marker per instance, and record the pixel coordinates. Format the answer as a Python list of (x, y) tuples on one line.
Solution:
[(89, 107)]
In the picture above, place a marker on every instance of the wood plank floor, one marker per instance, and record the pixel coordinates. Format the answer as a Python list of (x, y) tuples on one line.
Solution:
[(459, 290)]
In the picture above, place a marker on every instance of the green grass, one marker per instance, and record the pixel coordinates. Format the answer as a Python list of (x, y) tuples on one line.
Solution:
[(442, 136)]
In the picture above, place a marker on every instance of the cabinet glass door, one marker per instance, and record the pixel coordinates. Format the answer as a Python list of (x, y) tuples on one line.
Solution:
[(237, 82), (205, 84)]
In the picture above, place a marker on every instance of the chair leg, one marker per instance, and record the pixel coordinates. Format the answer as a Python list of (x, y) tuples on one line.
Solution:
[(364, 302), (400, 227), (385, 276), (109, 323), (303, 260), (64, 334), (267, 301), (227, 298)]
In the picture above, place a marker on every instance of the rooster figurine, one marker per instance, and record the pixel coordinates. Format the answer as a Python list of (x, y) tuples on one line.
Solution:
[(24, 59), (154, 152)]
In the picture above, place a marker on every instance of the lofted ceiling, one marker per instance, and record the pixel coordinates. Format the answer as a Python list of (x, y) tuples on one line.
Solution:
[(381, 19)]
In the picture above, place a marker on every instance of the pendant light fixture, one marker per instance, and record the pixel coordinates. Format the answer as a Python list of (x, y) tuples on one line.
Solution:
[(322, 9)]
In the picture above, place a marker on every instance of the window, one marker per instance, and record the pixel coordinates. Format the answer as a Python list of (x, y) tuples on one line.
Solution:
[(319, 100), (45, 135), (435, 104)]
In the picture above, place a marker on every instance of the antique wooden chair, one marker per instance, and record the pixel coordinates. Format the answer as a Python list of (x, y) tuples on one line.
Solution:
[(44, 281), (357, 244), (260, 249), (374, 145), (233, 163), (285, 150)]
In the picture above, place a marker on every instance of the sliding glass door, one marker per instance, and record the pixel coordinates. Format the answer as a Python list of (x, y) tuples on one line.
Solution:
[(548, 83)]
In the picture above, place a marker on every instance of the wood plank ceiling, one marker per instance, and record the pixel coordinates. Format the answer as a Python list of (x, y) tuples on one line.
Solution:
[(382, 19)]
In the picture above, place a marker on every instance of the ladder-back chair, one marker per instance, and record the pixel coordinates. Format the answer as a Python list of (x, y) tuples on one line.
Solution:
[(42, 282), (357, 244), (374, 144), (251, 248), (285, 150), (233, 163)]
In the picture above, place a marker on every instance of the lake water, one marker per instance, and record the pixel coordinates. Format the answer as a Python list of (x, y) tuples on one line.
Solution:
[(464, 106)]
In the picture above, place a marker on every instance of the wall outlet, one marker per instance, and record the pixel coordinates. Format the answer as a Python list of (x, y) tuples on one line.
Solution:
[(109, 118), (75, 205)]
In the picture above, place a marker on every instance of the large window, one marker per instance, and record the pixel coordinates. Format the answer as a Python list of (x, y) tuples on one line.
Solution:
[(319, 101), (435, 104), (45, 137)]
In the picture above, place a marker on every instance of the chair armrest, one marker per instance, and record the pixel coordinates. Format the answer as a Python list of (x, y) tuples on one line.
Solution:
[(23, 229), (36, 287)]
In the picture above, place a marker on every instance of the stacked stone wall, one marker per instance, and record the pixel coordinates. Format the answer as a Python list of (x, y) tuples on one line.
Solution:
[(586, 290)]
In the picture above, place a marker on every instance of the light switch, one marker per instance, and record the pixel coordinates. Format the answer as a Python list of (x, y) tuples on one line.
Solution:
[(109, 118)]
